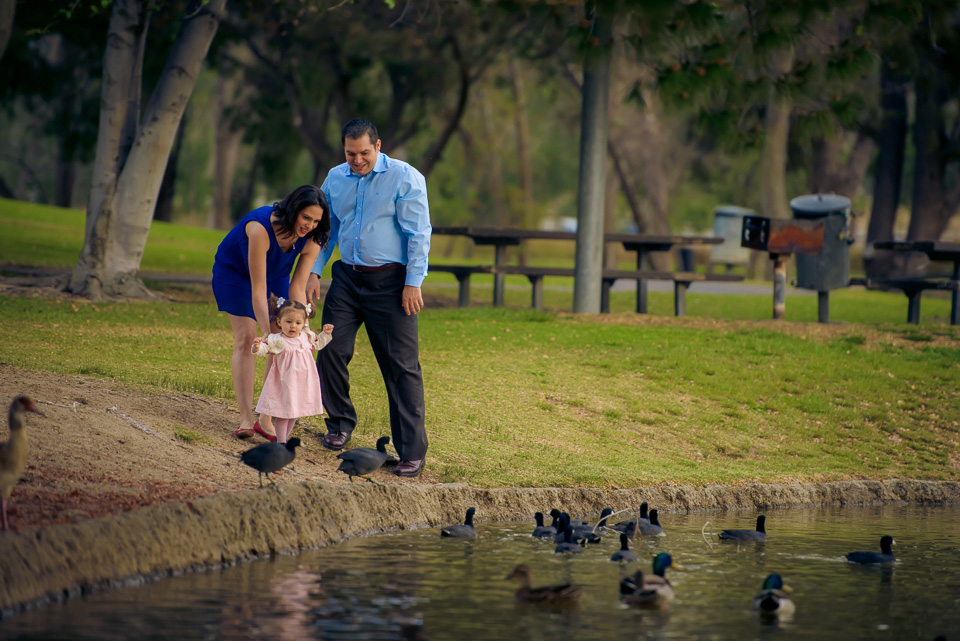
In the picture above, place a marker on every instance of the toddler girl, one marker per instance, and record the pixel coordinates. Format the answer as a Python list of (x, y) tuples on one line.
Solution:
[(291, 385)]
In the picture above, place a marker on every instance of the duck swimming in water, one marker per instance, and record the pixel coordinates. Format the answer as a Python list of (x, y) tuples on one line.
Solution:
[(772, 601), (885, 555), (464, 531), (637, 589), (623, 555), (566, 594), (759, 534)]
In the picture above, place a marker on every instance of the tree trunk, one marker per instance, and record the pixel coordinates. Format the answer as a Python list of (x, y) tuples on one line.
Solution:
[(773, 188), (588, 266), (838, 166), (527, 218), (493, 163), (930, 210), (126, 178), (7, 10), (773, 166), (231, 90), (888, 175), (65, 174), (610, 216), (436, 149), (244, 198), (168, 186)]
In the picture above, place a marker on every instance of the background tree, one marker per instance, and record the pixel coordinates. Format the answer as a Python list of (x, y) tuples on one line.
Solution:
[(133, 147)]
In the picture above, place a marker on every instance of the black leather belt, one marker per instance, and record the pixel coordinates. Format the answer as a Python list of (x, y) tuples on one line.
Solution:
[(365, 269)]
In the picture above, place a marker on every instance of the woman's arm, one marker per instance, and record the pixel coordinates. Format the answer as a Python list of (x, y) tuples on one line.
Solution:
[(257, 261), (301, 273)]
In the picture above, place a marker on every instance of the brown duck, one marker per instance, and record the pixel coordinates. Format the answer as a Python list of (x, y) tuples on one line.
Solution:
[(566, 594), (13, 453)]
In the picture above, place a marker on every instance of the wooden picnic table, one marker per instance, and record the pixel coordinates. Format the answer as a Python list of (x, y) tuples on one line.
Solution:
[(936, 250), (502, 238)]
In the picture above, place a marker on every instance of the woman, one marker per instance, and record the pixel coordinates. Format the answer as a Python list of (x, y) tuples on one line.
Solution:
[(253, 261)]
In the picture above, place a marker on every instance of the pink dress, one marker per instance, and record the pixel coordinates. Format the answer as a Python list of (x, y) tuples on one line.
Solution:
[(291, 388)]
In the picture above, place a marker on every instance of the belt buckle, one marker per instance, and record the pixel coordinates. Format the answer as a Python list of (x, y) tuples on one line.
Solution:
[(355, 267)]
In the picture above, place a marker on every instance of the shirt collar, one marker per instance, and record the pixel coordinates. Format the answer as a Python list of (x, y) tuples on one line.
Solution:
[(378, 167)]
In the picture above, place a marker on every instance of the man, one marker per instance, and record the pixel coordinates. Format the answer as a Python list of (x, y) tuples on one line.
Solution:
[(380, 218)]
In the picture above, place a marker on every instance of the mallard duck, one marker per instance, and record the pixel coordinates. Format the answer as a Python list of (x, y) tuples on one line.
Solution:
[(651, 528), (772, 599), (637, 589), (363, 461), (759, 534), (568, 545), (464, 531), (885, 555), (543, 531), (567, 593), (623, 555), (13, 453)]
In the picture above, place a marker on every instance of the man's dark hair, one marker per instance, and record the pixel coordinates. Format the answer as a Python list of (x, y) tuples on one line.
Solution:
[(290, 207), (357, 128)]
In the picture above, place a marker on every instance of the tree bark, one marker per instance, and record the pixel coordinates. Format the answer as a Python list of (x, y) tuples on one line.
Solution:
[(527, 218), (231, 90), (888, 175), (126, 178), (436, 149), (494, 164), (8, 9), (839, 166), (773, 188), (930, 208), (588, 266)]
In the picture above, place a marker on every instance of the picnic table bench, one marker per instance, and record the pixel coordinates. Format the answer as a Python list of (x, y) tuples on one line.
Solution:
[(640, 243), (913, 287)]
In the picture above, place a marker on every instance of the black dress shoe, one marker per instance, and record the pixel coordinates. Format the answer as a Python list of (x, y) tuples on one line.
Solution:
[(410, 468), (335, 441)]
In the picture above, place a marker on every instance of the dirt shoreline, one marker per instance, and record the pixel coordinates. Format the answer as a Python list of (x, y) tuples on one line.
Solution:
[(57, 562)]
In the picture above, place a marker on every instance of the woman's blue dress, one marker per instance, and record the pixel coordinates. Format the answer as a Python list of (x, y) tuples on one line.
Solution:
[(231, 272)]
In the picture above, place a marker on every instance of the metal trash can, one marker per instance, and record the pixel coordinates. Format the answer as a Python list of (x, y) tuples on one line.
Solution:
[(727, 224), (831, 268)]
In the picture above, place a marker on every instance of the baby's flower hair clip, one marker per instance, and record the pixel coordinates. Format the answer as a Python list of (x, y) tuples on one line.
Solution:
[(281, 301), (309, 308)]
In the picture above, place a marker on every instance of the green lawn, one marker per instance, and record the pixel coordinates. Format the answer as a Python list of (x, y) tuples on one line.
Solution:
[(523, 398)]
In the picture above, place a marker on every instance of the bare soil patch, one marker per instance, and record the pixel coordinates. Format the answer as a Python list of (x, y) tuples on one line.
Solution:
[(104, 447)]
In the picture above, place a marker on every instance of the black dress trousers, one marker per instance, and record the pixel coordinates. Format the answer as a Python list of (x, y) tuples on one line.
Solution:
[(373, 299)]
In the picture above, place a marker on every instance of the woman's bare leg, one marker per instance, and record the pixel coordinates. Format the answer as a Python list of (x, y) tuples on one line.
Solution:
[(242, 365)]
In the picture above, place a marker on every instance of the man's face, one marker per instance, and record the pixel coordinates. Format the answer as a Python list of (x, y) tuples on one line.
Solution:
[(361, 153)]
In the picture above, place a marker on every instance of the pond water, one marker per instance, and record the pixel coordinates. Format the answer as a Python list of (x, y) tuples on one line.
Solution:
[(415, 584)]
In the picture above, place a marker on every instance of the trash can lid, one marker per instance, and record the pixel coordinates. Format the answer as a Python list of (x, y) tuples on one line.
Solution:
[(731, 210), (820, 204)]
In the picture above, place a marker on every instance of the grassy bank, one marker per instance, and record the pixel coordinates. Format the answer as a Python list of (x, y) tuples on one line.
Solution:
[(521, 398), (517, 398)]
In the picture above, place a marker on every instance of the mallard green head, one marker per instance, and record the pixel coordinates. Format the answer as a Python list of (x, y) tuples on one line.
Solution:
[(663, 561), (773, 582)]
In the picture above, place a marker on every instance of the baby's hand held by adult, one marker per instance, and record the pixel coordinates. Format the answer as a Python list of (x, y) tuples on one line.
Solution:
[(327, 329)]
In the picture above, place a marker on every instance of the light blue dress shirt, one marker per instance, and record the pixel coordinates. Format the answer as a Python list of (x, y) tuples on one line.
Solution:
[(382, 217)]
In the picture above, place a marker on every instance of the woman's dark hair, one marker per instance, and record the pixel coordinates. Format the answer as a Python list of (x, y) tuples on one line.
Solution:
[(289, 209), (357, 128)]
